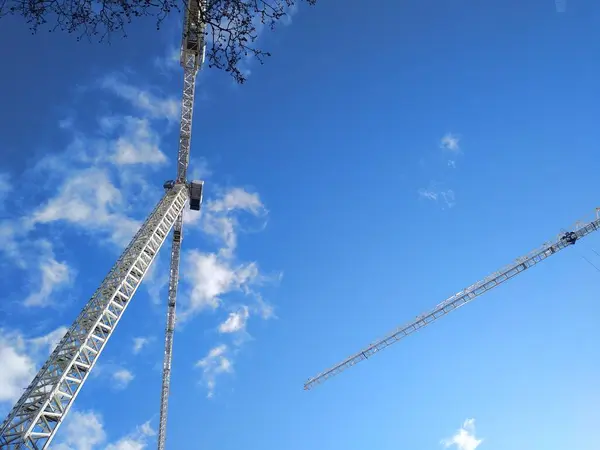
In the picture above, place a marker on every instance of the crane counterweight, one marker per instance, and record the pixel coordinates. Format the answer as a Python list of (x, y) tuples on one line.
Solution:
[(196, 194)]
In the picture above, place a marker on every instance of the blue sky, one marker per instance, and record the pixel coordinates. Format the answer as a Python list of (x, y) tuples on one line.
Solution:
[(375, 165)]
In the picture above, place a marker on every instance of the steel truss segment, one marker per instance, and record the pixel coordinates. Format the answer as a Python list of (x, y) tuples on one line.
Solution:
[(459, 299), (34, 420), (170, 329), (187, 110)]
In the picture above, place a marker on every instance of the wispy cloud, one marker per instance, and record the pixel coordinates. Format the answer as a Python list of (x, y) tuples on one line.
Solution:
[(446, 197), (137, 440), (428, 194), (170, 59), (236, 321), (91, 201), (19, 359), (137, 144), (464, 438), (55, 275), (139, 343), (450, 142), (84, 430), (10, 242), (17, 367), (215, 363), (212, 275), (48, 275), (157, 107), (220, 216), (122, 378), (47, 343)]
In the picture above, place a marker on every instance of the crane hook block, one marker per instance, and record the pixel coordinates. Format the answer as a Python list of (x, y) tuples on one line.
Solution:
[(196, 194)]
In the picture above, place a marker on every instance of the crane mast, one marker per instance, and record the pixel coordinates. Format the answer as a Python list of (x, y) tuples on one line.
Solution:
[(33, 421), (192, 57), (461, 298)]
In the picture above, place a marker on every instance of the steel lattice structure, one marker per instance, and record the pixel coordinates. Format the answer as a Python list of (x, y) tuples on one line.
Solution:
[(461, 298), (192, 57), (34, 420)]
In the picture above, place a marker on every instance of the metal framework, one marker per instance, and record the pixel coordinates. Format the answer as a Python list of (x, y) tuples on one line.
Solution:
[(192, 57), (461, 298), (34, 420)]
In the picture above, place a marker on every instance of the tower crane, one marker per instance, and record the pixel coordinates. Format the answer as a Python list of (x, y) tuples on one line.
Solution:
[(35, 418), (461, 298)]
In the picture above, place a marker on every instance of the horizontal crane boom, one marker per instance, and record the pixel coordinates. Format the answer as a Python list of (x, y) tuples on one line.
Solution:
[(461, 298)]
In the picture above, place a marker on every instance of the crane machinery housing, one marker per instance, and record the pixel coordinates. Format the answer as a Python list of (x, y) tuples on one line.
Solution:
[(35, 418), (461, 298)]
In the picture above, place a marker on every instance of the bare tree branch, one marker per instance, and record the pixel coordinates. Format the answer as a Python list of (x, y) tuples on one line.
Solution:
[(232, 26)]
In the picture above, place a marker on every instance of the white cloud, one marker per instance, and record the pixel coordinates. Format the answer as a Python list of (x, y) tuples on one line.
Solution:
[(54, 275), (121, 378), (84, 430), (10, 240), (428, 194), (170, 60), (199, 169), (215, 363), (47, 274), (138, 440), (146, 429), (139, 343), (240, 199), (450, 142), (219, 218), (90, 200), (264, 309), (464, 438), (137, 144), (211, 277), (19, 358), (235, 322), (452, 164), (447, 197), (155, 107), (17, 368), (49, 341)]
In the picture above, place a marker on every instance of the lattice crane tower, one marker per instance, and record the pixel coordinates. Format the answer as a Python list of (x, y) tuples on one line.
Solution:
[(461, 298), (33, 421)]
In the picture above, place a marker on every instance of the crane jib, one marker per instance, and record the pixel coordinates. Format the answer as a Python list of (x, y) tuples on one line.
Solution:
[(461, 298)]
